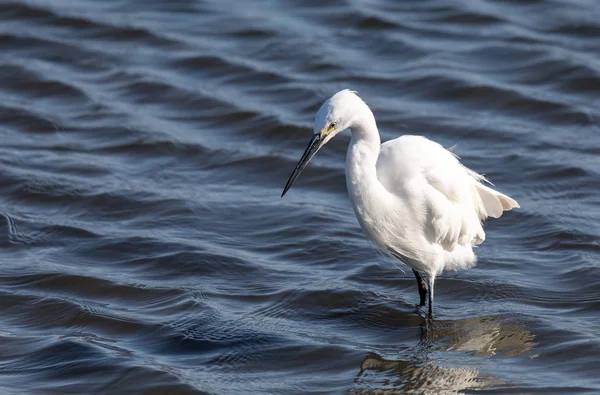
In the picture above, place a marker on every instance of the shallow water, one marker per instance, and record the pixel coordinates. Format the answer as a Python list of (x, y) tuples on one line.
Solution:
[(144, 245)]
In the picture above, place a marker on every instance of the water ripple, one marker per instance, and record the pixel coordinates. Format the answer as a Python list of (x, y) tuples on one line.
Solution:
[(145, 246)]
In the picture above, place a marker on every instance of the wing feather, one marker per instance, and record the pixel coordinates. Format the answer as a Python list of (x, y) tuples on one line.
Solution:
[(454, 200)]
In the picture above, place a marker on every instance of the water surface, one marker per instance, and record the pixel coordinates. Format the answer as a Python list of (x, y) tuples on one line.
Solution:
[(144, 245)]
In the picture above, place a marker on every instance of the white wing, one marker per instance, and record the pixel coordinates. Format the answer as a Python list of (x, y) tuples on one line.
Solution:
[(449, 200)]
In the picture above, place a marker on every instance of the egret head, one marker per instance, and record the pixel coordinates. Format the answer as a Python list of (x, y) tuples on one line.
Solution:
[(335, 115)]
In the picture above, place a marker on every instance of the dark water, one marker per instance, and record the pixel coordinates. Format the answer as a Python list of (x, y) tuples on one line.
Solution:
[(145, 249)]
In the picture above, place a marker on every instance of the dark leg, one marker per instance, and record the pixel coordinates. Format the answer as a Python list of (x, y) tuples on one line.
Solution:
[(430, 307), (431, 282), (422, 287)]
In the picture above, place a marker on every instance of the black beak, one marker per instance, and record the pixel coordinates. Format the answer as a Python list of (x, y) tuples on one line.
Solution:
[(315, 144)]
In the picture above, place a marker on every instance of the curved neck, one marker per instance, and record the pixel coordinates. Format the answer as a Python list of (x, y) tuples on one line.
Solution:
[(361, 160), (366, 142)]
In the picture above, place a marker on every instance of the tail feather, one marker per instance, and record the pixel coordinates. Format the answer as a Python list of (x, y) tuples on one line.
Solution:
[(493, 203)]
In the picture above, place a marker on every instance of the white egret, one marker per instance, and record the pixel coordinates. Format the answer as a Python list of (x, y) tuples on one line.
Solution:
[(412, 197)]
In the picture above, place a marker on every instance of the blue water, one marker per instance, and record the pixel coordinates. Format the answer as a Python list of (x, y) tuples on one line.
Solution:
[(145, 248)]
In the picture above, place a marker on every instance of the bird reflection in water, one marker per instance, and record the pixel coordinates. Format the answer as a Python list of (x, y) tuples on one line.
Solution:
[(420, 373)]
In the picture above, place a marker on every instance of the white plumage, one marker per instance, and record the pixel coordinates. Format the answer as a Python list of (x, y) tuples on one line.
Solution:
[(412, 197)]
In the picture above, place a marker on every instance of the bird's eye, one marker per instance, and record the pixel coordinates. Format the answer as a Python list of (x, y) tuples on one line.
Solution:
[(332, 125)]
